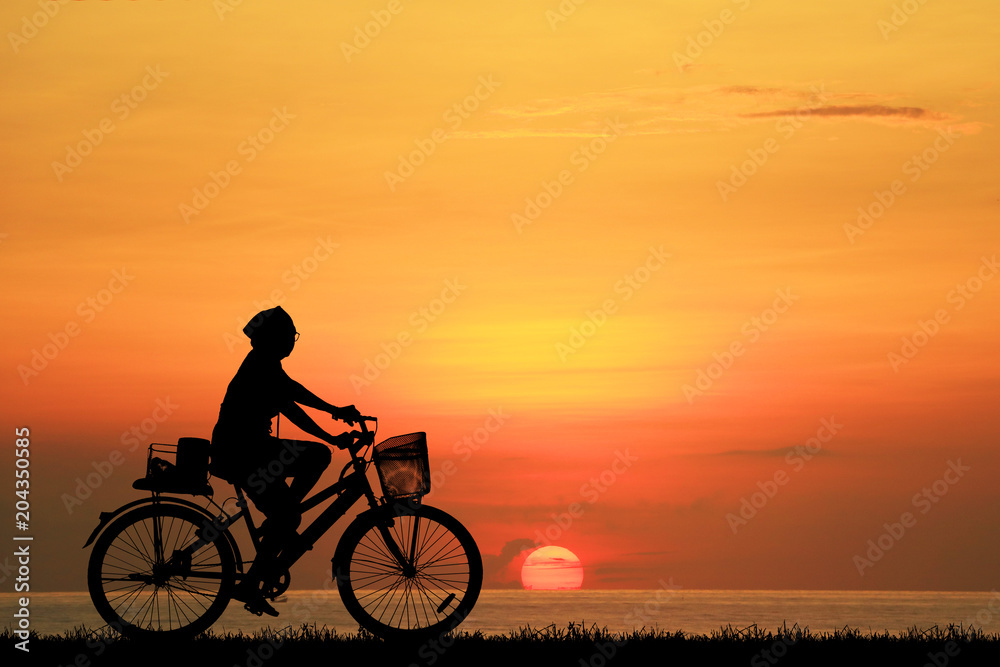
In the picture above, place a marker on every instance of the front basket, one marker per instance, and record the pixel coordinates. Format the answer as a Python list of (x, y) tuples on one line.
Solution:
[(402, 465)]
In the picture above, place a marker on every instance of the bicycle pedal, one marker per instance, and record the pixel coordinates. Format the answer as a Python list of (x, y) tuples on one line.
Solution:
[(260, 606)]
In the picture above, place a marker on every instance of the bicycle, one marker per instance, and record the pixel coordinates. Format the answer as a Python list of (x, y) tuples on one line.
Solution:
[(167, 566)]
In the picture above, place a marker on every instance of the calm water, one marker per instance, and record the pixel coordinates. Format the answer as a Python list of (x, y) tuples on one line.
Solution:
[(689, 610)]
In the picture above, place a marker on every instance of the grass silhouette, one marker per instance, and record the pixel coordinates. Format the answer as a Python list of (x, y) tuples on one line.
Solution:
[(550, 646)]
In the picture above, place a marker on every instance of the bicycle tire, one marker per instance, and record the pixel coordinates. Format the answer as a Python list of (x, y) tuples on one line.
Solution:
[(142, 595), (433, 599)]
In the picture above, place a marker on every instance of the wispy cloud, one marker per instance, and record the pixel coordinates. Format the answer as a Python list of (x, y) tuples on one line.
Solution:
[(694, 109), (866, 110), (777, 452)]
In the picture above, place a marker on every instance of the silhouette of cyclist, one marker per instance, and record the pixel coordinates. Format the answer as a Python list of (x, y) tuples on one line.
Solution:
[(245, 453)]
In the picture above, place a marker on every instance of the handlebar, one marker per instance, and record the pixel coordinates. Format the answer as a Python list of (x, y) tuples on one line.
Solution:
[(363, 440)]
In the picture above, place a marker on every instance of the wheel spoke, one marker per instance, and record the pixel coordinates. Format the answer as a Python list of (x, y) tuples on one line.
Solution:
[(142, 594), (386, 596)]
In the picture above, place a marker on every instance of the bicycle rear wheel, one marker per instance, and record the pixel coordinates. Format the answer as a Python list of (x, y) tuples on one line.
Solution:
[(145, 580), (431, 591)]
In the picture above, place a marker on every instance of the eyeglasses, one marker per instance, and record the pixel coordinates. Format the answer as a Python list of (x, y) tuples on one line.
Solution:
[(297, 334)]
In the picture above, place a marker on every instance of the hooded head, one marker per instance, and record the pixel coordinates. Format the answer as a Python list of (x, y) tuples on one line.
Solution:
[(272, 332)]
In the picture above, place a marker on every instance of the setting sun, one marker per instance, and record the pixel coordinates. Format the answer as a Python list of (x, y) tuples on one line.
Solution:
[(550, 569)]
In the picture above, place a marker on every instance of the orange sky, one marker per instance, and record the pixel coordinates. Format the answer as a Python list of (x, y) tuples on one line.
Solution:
[(697, 169)]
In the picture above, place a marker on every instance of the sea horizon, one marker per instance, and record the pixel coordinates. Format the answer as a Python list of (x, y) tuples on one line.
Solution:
[(692, 611)]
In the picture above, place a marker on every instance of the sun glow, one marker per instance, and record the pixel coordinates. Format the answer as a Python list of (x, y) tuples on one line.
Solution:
[(550, 569)]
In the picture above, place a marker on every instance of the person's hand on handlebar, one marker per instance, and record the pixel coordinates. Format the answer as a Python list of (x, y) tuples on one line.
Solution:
[(349, 441), (344, 440), (348, 414)]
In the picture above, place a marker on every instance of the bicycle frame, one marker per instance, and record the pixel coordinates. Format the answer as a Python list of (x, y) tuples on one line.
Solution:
[(402, 568), (348, 490)]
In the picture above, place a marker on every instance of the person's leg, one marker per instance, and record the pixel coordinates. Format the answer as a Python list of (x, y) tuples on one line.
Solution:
[(305, 461), (276, 502), (266, 488)]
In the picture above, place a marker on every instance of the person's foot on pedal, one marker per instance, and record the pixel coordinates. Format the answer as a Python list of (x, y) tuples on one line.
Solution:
[(246, 591), (260, 606), (249, 592)]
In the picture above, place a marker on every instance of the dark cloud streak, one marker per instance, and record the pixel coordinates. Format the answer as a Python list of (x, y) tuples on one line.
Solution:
[(870, 110)]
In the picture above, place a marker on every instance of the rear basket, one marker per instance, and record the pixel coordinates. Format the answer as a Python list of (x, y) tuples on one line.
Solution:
[(180, 468), (402, 465)]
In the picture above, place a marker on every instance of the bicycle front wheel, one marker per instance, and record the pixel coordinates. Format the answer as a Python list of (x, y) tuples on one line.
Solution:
[(408, 571), (152, 574)]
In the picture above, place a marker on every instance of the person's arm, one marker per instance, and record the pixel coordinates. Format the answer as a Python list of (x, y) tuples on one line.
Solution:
[(303, 396), (298, 416)]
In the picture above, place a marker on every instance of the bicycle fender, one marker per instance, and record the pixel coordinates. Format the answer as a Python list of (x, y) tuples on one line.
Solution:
[(392, 510), (106, 518)]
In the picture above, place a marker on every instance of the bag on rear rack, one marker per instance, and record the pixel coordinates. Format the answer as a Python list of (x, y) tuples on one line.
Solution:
[(187, 473)]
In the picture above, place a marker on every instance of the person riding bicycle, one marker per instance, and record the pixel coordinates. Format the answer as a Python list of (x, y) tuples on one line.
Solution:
[(243, 451)]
